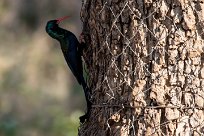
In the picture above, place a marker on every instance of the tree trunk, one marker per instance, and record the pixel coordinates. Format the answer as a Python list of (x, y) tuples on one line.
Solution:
[(145, 66)]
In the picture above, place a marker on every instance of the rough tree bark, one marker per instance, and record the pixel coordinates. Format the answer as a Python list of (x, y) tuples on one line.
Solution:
[(145, 65)]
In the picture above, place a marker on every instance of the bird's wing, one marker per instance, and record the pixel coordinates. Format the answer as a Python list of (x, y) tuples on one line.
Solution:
[(72, 56), (74, 62), (75, 66)]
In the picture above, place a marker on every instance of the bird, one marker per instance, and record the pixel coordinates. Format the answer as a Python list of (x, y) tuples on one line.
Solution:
[(72, 52)]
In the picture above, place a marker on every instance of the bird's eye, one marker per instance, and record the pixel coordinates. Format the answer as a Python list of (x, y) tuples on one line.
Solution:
[(53, 27)]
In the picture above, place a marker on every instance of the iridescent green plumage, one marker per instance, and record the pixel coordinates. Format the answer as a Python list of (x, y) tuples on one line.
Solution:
[(51, 30), (72, 54)]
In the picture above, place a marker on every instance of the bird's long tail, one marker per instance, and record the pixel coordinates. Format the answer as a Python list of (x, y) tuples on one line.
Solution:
[(88, 102)]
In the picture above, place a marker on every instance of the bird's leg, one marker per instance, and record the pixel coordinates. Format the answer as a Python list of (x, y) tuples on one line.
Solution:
[(81, 44), (82, 41), (81, 38)]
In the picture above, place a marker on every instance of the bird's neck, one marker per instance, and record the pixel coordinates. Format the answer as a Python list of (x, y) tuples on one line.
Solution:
[(58, 33)]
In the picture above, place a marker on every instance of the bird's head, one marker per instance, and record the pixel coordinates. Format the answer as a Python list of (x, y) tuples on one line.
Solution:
[(52, 27)]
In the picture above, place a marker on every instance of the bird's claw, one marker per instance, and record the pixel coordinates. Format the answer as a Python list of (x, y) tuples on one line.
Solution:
[(81, 38)]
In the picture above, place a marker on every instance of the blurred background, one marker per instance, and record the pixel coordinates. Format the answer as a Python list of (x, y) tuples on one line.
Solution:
[(38, 94)]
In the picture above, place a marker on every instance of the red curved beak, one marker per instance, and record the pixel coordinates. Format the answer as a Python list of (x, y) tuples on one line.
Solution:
[(61, 19)]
